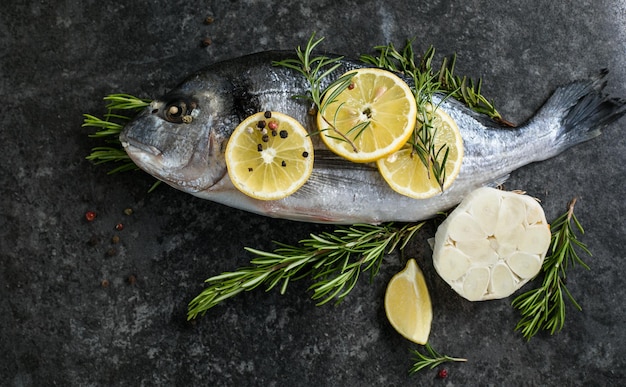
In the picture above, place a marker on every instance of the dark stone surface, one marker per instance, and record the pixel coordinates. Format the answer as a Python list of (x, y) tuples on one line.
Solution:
[(61, 326)]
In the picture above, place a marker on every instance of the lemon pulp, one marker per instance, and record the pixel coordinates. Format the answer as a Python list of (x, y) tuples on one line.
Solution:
[(406, 173), (269, 156), (407, 304), (373, 117)]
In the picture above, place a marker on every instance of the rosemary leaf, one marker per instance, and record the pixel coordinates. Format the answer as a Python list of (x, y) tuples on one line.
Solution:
[(430, 359), (121, 108), (333, 260), (543, 308)]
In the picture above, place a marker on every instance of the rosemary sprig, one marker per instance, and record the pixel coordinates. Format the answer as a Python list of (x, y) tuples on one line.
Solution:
[(316, 69), (543, 308), (430, 359), (333, 260), (109, 127), (427, 83)]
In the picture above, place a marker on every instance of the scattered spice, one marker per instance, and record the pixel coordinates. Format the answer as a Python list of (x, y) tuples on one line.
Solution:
[(206, 42), (273, 125), (305, 154), (111, 252), (266, 138), (128, 211), (351, 86), (283, 164), (90, 216), (93, 241), (284, 134), (442, 374), (259, 147), (104, 283), (261, 124), (115, 239), (119, 226), (132, 279), (250, 169), (268, 114), (209, 20)]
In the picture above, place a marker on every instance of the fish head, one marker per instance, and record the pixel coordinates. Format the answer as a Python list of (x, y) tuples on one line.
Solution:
[(180, 137)]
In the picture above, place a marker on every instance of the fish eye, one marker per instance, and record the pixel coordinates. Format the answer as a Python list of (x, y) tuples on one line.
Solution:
[(178, 111), (175, 111)]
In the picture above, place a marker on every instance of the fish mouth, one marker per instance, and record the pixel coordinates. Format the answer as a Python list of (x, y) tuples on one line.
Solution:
[(148, 157), (134, 147), (152, 160)]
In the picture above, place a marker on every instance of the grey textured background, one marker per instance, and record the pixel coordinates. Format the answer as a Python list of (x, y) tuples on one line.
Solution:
[(59, 326)]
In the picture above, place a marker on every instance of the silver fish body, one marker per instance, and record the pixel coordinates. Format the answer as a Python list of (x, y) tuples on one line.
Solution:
[(184, 146)]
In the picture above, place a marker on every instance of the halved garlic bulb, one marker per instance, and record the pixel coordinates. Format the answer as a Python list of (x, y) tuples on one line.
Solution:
[(491, 244)]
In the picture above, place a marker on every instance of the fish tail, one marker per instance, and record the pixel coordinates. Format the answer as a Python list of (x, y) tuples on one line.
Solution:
[(581, 111)]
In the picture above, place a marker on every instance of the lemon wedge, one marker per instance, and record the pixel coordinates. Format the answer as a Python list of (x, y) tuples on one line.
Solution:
[(407, 304), (269, 156), (405, 172), (373, 117)]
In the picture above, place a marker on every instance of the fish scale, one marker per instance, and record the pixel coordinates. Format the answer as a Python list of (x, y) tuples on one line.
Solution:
[(190, 156)]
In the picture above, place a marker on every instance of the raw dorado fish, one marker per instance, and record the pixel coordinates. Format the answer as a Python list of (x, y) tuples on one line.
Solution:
[(189, 156)]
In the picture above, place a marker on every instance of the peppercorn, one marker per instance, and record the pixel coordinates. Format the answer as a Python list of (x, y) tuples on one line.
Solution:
[(284, 163), (209, 20), (206, 42), (115, 239), (119, 227), (268, 114), (128, 211), (259, 147), (442, 374), (104, 283), (93, 241), (305, 154), (187, 119), (90, 216), (261, 124), (283, 134), (273, 125), (266, 138)]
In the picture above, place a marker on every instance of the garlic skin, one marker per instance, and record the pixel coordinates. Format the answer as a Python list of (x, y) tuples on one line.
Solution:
[(492, 244)]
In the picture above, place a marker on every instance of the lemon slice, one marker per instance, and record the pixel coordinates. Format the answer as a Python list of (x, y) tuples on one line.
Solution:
[(375, 114), (405, 172), (269, 156), (407, 304)]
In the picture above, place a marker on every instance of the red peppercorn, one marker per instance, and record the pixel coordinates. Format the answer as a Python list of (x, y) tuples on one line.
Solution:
[(90, 216), (442, 374), (351, 86), (119, 227), (273, 125)]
